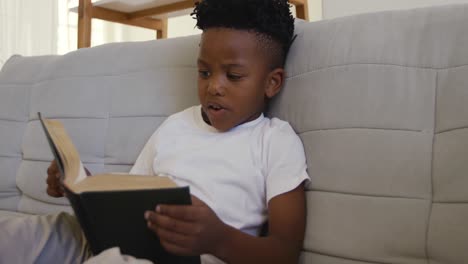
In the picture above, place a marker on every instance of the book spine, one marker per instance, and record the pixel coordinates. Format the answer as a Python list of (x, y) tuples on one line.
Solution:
[(81, 215)]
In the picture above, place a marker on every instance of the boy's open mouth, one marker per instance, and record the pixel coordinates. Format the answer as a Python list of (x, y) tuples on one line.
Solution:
[(215, 107)]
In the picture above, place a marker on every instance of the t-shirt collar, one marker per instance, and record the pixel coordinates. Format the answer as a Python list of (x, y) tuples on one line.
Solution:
[(209, 128)]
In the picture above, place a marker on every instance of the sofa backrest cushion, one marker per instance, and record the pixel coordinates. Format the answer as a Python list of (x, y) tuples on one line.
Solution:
[(380, 102), (110, 98)]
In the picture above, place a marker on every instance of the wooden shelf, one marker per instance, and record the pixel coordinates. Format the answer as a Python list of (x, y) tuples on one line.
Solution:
[(150, 14)]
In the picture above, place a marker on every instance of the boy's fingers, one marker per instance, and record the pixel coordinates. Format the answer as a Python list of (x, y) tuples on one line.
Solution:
[(196, 201), (173, 225), (183, 212), (51, 192), (173, 237), (54, 187), (53, 165), (50, 181), (54, 192), (51, 170)]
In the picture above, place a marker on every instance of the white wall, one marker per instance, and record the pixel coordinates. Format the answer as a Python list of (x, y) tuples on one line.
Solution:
[(27, 27), (338, 8), (315, 10)]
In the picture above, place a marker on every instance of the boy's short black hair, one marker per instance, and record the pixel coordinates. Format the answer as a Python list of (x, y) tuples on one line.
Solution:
[(270, 19)]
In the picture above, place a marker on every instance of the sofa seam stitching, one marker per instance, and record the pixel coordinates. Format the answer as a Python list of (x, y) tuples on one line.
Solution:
[(431, 179), (378, 64), (367, 195), (341, 257), (40, 81)]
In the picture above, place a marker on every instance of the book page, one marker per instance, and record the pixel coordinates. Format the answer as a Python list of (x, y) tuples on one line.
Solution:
[(120, 182), (81, 174), (75, 178), (73, 170)]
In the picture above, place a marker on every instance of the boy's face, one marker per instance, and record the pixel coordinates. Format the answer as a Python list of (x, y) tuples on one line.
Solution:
[(234, 78)]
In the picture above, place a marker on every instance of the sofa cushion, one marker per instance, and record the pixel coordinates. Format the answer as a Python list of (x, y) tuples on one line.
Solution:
[(380, 102), (111, 98)]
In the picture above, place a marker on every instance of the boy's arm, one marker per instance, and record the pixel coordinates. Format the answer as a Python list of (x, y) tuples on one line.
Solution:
[(286, 216), (193, 230)]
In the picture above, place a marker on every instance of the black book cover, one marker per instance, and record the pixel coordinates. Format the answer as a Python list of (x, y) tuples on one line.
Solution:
[(116, 218)]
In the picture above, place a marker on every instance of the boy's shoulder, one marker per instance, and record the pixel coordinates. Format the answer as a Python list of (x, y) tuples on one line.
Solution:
[(278, 126), (182, 116), (279, 133), (176, 121)]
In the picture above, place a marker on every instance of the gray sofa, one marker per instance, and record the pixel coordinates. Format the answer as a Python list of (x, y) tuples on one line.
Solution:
[(380, 101)]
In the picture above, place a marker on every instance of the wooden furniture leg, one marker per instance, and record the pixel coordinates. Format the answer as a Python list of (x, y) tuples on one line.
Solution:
[(84, 23), (162, 33), (302, 9)]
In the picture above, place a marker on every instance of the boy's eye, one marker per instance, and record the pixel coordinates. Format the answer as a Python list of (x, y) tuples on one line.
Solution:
[(234, 77), (203, 74)]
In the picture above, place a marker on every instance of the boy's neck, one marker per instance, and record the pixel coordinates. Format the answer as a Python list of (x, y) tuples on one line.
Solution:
[(207, 120)]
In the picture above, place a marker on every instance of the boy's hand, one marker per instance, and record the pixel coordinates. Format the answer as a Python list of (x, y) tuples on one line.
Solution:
[(54, 187), (186, 229)]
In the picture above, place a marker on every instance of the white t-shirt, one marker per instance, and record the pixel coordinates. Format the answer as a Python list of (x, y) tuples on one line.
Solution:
[(235, 173)]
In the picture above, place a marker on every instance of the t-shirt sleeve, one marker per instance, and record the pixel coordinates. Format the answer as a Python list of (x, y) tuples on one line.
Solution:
[(286, 162), (144, 163)]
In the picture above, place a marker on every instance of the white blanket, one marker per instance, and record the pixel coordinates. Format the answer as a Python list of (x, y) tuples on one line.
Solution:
[(51, 239)]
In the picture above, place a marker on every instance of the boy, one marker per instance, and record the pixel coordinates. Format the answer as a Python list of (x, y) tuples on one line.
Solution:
[(242, 168)]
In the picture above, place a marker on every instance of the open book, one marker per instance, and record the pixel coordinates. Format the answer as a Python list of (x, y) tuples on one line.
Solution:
[(110, 207)]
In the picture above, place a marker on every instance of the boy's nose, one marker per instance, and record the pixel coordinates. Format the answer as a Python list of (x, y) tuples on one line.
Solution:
[(215, 88)]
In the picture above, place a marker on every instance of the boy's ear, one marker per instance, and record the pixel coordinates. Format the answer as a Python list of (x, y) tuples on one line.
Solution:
[(275, 82)]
